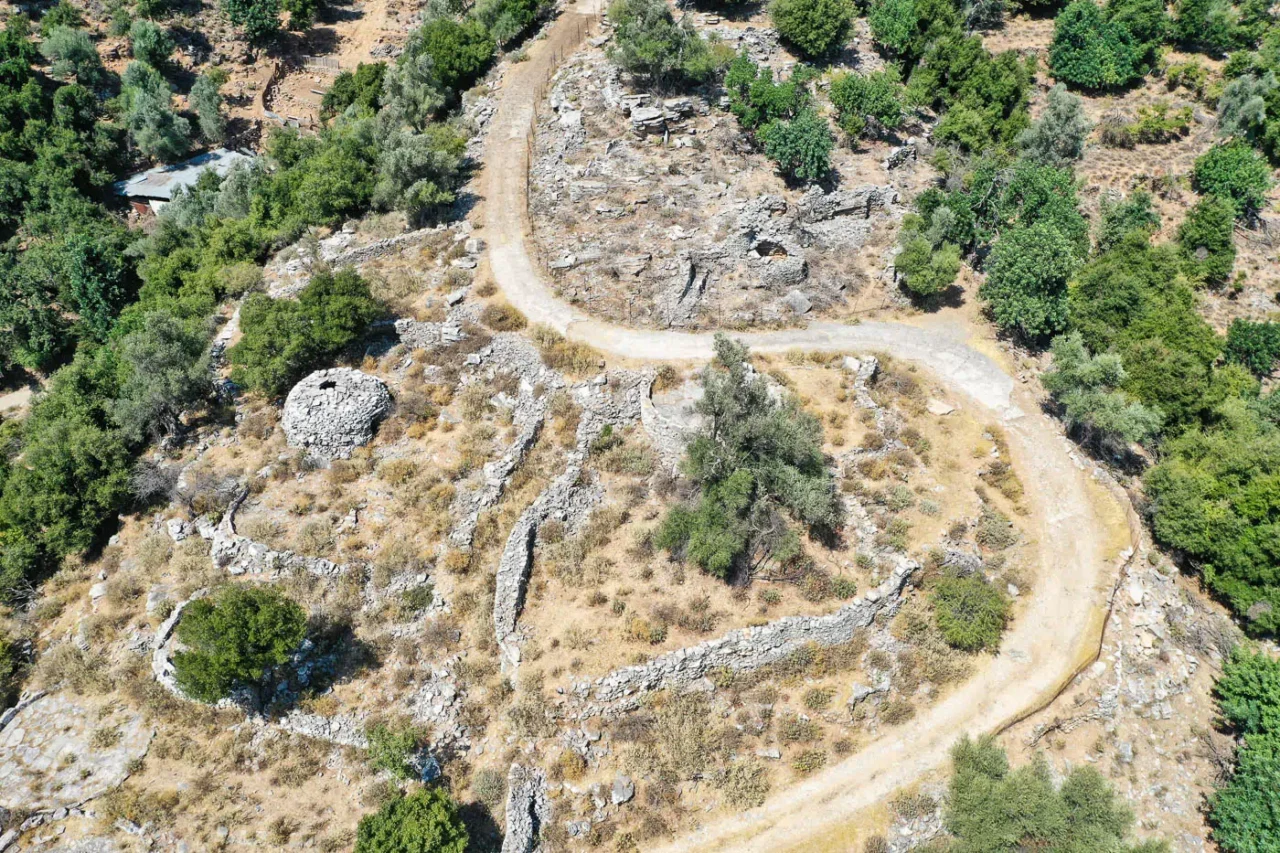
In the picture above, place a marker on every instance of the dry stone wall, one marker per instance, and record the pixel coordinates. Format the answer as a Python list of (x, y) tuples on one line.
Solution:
[(528, 809), (565, 498), (748, 648)]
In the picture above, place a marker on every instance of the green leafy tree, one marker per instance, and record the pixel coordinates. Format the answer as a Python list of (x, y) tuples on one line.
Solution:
[(1088, 387), (508, 20), (426, 821), (1057, 137), (412, 94), (1205, 25), (868, 100), (1207, 241), (1254, 345), (756, 99), (165, 369), (816, 27), (893, 24), (73, 54), (800, 147), (361, 88), (1236, 173), (149, 43), (927, 261), (459, 51), (758, 462), (1026, 286), (419, 172), (970, 611), (1243, 107), (302, 13), (206, 100), (154, 126), (260, 19), (283, 340), (993, 809), (649, 43), (235, 639), (1133, 215), (1214, 498), (1090, 51), (60, 14)]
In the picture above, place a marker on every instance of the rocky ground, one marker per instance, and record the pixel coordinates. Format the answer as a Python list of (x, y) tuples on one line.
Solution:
[(655, 212)]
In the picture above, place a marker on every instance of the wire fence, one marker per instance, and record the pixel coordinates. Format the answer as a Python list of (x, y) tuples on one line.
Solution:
[(585, 26)]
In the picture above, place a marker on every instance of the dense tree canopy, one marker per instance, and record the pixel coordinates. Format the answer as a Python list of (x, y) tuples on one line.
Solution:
[(815, 27), (235, 639), (1245, 812)]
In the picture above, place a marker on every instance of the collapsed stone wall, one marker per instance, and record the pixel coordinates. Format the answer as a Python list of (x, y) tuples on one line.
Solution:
[(565, 499), (746, 649), (241, 555), (528, 809)]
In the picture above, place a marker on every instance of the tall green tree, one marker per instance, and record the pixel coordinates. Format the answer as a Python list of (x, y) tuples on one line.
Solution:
[(1026, 286), (759, 468), (816, 27)]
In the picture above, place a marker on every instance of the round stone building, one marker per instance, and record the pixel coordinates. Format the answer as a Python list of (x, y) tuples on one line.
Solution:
[(332, 412)]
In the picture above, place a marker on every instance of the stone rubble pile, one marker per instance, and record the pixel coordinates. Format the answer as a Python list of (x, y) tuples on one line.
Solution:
[(334, 411), (240, 555)]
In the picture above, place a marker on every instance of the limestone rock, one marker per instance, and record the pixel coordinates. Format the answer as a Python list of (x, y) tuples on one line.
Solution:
[(332, 412)]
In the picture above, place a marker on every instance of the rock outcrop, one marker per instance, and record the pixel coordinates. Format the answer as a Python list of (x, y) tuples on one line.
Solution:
[(332, 412)]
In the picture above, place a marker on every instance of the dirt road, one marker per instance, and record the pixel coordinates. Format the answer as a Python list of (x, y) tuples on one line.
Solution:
[(1078, 525)]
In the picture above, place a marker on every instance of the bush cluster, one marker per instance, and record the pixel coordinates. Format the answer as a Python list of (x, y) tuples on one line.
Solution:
[(1244, 810)]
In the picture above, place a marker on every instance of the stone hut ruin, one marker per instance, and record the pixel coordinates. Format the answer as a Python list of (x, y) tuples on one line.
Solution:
[(332, 412)]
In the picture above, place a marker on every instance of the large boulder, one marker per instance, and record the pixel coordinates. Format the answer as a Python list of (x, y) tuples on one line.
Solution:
[(332, 412)]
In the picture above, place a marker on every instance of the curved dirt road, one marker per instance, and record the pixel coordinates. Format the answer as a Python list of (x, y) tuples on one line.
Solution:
[(1078, 526)]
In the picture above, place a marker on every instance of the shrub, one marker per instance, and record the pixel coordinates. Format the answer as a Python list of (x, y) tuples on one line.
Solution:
[(72, 53), (503, 317), (1091, 51), (490, 787), (1235, 173), (393, 747), (893, 23), (808, 761), (1026, 286), (981, 813), (1156, 124), (1206, 25), (971, 613), (1206, 238), (648, 43), (234, 639), (1243, 107), (1254, 345), (153, 125), (929, 270), (859, 97), (426, 821), (1057, 137), (801, 147), (816, 27), (745, 785)]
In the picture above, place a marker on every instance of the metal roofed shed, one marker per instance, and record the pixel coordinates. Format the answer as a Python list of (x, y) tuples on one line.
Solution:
[(152, 189)]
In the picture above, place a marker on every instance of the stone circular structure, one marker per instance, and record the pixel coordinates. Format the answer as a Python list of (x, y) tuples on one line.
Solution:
[(332, 412)]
